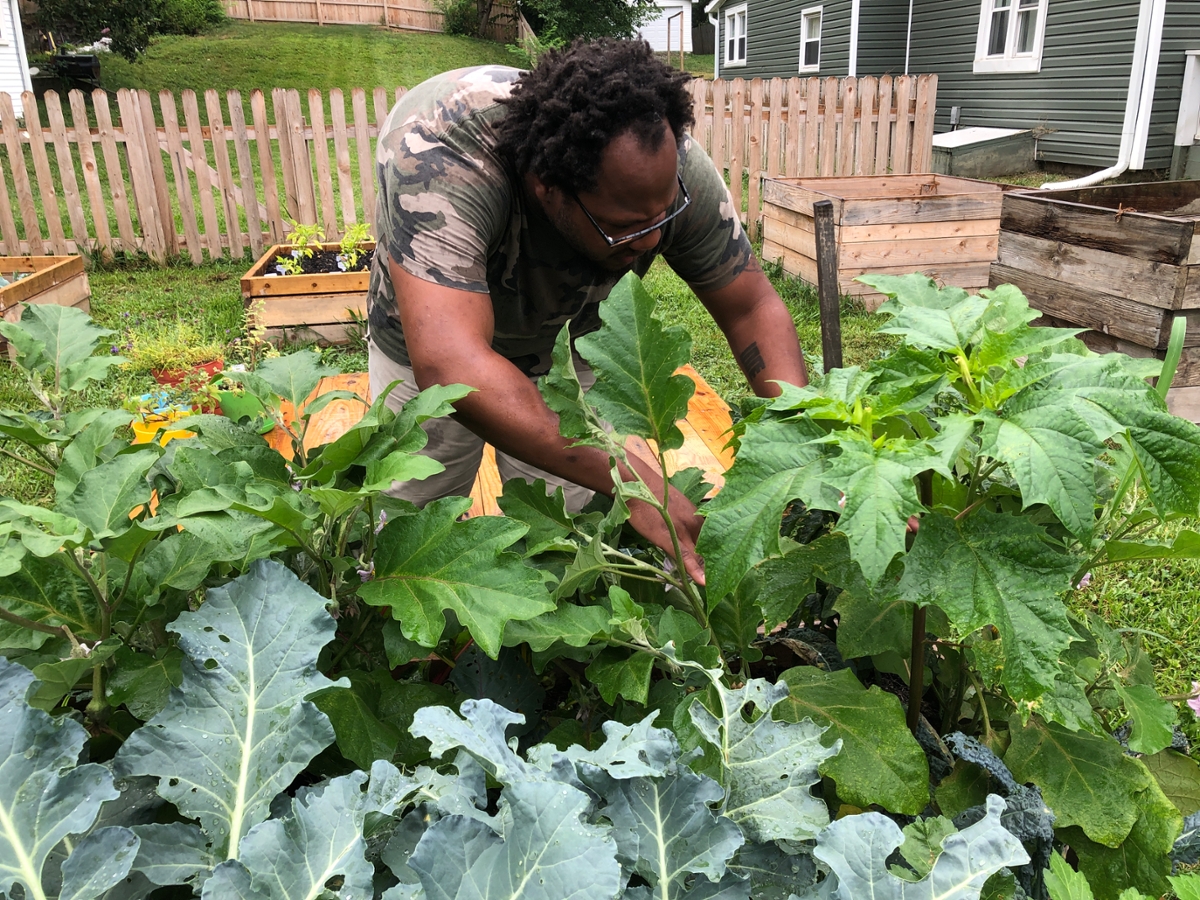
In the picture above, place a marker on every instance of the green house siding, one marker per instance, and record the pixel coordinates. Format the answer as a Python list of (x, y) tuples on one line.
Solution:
[(882, 29), (1076, 102), (1181, 32), (773, 38), (1078, 98)]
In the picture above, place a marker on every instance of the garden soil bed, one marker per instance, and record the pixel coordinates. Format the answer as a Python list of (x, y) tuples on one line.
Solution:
[(1122, 261), (321, 304)]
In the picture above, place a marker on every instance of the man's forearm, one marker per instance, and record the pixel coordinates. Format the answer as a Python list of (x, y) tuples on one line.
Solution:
[(765, 345), (508, 412)]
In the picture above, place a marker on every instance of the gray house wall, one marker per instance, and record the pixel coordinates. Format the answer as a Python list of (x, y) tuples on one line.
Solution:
[(882, 30), (1181, 32), (1079, 95), (1077, 99), (773, 38)]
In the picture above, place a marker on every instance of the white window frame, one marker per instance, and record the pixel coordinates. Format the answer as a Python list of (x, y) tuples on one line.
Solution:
[(805, 15), (1010, 61), (731, 15)]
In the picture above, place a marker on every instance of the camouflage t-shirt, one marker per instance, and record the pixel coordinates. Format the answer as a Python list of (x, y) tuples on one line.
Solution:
[(451, 211)]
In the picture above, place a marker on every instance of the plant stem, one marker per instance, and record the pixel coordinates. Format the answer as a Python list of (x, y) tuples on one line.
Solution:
[(364, 620), (23, 622), (916, 669), (29, 462), (987, 721)]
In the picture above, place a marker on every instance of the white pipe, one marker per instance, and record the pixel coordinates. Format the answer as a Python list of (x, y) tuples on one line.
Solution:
[(1141, 134), (908, 37), (1133, 102), (718, 46), (852, 70)]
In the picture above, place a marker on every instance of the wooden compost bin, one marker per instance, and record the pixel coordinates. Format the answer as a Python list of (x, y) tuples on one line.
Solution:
[(54, 279), (307, 307), (1124, 261), (944, 227)]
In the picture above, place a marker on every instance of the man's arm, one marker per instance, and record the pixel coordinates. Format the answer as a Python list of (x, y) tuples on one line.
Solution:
[(759, 329), (448, 333)]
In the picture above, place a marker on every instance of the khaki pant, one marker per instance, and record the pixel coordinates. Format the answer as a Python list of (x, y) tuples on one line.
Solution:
[(456, 447)]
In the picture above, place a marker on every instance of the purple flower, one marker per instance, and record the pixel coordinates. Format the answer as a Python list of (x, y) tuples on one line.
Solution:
[(1194, 703), (382, 521), (368, 573), (1084, 581), (113, 350)]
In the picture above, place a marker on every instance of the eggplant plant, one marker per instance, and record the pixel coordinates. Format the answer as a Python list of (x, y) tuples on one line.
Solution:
[(273, 661)]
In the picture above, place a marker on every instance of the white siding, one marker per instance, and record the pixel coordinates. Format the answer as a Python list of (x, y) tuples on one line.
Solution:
[(14, 75), (655, 31)]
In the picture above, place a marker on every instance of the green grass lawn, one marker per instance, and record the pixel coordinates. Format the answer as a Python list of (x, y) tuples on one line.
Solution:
[(248, 55)]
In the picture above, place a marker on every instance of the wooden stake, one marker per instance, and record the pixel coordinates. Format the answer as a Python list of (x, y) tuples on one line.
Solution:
[(827, 286)]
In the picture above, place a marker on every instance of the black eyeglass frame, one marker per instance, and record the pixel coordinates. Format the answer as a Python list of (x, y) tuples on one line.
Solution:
[(630, 238)]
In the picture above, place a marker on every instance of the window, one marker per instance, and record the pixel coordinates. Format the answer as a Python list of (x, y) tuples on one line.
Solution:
[(810, 39), (1011, 33), (735, 36)]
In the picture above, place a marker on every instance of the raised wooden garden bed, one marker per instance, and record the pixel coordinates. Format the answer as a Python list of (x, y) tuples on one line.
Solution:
[(53, 279), (1123, 260), (886, 225), (306, 307)]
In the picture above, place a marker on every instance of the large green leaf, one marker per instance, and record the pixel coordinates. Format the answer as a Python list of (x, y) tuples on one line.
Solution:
[(239, 730), (430, 562), (1050, 449), (741, 524), (58, 343), (878, 496), (924, 316), (47, 592), (881, 763), (1142, 861), (543, 851), (1086, 779), (1152, 718), (545, 513), (666, 832), (768, 767), (295, 857), (42, 531), (90, 446), (1065, 883), (635, 356), (361, 737), (107, 494), (44, 794), (621, 673), (142, 682), (292, 376), (563, 393), (857, 848), (98, 862), (1179, 777), (575, 626), (1186, 545), (992, 569)]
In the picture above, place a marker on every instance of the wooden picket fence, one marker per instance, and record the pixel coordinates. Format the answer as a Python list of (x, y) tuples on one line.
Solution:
[(406, 15), (226, 180), (804, 127)]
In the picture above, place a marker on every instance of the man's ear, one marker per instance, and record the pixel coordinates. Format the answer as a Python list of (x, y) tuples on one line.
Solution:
[(550, 198)]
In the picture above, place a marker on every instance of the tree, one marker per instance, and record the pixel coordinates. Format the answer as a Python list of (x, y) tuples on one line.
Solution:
[(569, 19)]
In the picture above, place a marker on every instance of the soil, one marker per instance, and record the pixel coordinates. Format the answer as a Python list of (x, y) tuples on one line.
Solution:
[(323, 261)]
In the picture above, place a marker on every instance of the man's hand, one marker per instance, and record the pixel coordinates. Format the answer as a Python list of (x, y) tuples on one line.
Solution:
[(649, 523)]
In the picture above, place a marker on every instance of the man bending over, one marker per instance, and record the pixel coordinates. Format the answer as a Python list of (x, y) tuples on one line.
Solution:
[(511, 202)]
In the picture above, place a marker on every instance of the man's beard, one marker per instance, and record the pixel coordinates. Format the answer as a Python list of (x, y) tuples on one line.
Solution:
[(569, 231)]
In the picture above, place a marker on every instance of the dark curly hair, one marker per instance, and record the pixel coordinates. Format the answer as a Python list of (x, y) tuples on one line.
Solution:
[(564, 112)]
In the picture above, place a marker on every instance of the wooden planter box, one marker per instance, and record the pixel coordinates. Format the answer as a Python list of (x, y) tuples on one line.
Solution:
[(55, 279), (307, 307), (1123, 260), (944, 227)]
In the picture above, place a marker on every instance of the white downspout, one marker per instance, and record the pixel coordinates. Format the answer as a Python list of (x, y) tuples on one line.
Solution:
[(852, 70), (908, 37), (718, 46), (1150, 12)]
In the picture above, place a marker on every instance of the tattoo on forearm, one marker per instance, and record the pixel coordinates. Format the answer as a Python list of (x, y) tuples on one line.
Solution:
[(752, 360)]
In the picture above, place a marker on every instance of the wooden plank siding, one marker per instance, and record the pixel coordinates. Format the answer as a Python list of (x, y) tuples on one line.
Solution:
[(291, 158), (1076, 102)]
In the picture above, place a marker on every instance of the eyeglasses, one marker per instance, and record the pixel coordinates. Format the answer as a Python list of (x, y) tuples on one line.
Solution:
[(630, 238)]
